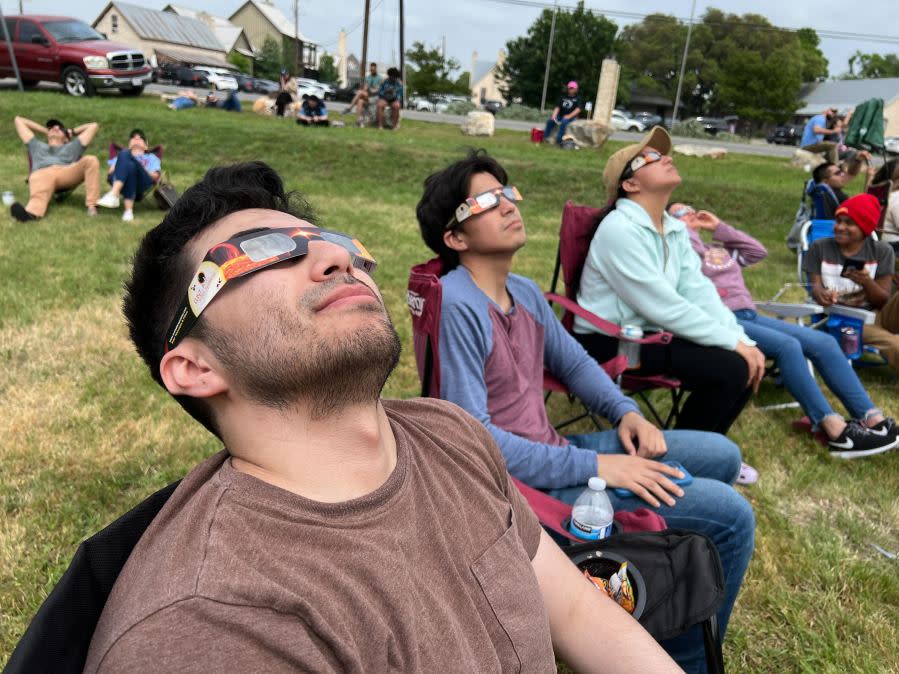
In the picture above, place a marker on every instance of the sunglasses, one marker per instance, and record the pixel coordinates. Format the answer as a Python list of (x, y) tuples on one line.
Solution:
[(641, 160), (247, 253), (483, 202)]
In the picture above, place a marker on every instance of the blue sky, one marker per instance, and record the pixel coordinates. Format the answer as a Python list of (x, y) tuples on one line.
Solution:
[(485, 26)]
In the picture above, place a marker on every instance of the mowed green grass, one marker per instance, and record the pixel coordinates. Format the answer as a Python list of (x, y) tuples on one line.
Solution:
[(85, 434)]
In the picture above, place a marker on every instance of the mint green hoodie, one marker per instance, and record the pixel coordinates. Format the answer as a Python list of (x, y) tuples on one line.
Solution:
[(635, 276)]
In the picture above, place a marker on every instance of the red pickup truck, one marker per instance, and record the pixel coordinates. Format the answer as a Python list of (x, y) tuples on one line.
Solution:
[(68, 51)]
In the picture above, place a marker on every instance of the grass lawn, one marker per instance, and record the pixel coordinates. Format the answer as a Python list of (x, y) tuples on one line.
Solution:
[(85, 434)]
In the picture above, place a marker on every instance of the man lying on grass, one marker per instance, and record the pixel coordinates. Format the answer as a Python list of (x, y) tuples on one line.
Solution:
[(337, 531), (497, 334)]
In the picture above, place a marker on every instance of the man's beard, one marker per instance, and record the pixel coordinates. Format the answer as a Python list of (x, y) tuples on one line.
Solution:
[(285, 362)]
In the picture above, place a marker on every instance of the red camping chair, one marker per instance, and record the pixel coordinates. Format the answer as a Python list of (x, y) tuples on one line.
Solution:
[(424, 297), (579, 224)]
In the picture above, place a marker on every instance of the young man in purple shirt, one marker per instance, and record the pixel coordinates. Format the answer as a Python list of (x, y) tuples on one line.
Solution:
[(496, 335)]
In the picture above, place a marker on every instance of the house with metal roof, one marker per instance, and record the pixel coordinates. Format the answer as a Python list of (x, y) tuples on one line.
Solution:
[(231, 37), (164, 37), (844, 95), (483, 79), (261, 19)]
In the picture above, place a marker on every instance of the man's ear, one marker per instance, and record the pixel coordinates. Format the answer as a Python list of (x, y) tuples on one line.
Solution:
[(190, 370), (455, 240)]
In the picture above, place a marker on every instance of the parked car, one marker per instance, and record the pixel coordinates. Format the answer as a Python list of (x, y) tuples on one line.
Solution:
[(219, 78), (647, 119), (622, 122), (492, 106), (261, 86), (69, 51), (345, 94), (245, 82), (891, 143), (322, 90), (786, 134), (422, 104), (711, 125)]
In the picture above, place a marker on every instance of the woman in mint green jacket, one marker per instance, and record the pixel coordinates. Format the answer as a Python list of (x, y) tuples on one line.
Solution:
[(641, 270)]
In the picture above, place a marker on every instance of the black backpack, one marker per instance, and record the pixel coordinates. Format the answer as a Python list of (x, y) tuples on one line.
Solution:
[(388, 91)]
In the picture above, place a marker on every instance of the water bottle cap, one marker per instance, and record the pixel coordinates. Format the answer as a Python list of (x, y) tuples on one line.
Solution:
[(596, 484)]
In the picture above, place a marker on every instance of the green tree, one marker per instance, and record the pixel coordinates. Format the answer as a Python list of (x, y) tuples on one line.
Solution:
[(243, 63), (814, 65), (872, 66), (429, 72), (327, 70), (268, 65), (580, 42)]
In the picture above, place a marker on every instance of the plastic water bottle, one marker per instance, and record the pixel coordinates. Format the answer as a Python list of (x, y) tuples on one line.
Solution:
[(630, 349), (591, 517)]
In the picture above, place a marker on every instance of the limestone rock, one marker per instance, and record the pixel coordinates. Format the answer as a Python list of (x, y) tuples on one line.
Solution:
[(701, 151), (806, 160), (478, 123), (587, 133)]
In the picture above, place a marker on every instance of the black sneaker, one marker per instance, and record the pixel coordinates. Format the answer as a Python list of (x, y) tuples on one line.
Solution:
[(19, 213), (857, 441), (886, 428)]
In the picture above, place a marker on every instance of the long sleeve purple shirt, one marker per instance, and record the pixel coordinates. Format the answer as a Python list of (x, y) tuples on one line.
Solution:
[(724, 263), (491, 365)]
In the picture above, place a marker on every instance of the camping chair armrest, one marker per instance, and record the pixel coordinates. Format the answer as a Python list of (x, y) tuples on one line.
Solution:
[(864, 315), (603, 325), (789, 309)]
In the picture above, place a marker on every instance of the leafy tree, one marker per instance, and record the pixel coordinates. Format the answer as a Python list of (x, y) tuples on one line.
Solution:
[(760, 89), (327, 70), (873, 66), (581, 40), (268, 65), (243, 63), (462, 84), (430, 72), (814, 65)]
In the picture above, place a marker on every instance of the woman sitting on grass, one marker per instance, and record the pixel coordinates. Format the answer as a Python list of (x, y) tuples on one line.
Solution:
[(789, 344)]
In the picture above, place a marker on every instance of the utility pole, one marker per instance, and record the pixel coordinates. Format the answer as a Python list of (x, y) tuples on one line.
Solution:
[(12, 55), (549, 56), (683, 66), (403, 53), (297, 49), (363, 67)]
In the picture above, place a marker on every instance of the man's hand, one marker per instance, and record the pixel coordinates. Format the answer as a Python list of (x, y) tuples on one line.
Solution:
[(859, 276), (755, 359), (648, 479), (86, 132), (707, 220), (640, 437)]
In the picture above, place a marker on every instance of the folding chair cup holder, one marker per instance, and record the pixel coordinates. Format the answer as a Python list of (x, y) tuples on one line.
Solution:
[(601, 564)]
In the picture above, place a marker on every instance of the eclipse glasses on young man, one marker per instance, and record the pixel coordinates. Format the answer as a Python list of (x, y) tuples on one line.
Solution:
[(248, 253), (483, 202)]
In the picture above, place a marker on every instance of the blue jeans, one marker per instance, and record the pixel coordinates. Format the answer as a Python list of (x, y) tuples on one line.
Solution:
[(563, 124), (135, 179), (789, 345), (709, 505)]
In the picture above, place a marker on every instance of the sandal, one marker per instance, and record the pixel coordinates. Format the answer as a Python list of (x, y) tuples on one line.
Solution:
[(748, 474)]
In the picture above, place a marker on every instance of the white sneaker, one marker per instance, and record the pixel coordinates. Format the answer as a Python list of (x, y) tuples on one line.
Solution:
[(128, 216), (108, 200)]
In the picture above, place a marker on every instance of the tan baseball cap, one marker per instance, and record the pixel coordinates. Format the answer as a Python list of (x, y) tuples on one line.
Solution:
[(657, 138)]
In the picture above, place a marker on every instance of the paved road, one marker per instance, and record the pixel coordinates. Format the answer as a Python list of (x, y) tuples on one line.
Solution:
[(754, 148)]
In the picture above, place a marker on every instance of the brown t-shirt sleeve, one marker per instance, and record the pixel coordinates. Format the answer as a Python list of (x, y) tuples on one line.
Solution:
[(528, 525), (202, 635)]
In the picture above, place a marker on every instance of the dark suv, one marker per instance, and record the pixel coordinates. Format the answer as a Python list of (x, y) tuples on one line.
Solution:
[(712, 125), (786, 134), (68, 51)]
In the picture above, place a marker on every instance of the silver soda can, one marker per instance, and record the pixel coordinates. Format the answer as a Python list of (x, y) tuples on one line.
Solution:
[(630, 349), (849, 340)]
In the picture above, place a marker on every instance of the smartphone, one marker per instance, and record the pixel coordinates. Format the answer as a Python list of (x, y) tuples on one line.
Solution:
[(852, 264), (684, 481)]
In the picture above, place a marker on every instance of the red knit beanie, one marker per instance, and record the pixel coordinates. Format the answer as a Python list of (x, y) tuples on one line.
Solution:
[(863, 210)]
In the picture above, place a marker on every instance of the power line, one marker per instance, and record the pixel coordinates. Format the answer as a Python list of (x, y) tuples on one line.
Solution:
[(358, 23), (831, 34)]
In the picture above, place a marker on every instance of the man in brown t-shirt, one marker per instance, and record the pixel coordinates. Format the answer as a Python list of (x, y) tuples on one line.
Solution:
[(337, 532)]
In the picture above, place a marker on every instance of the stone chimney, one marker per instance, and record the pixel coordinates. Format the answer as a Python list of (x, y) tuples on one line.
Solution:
[(341, 58)]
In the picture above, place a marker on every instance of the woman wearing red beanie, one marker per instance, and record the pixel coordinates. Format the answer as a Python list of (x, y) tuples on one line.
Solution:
[(869, 287)]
